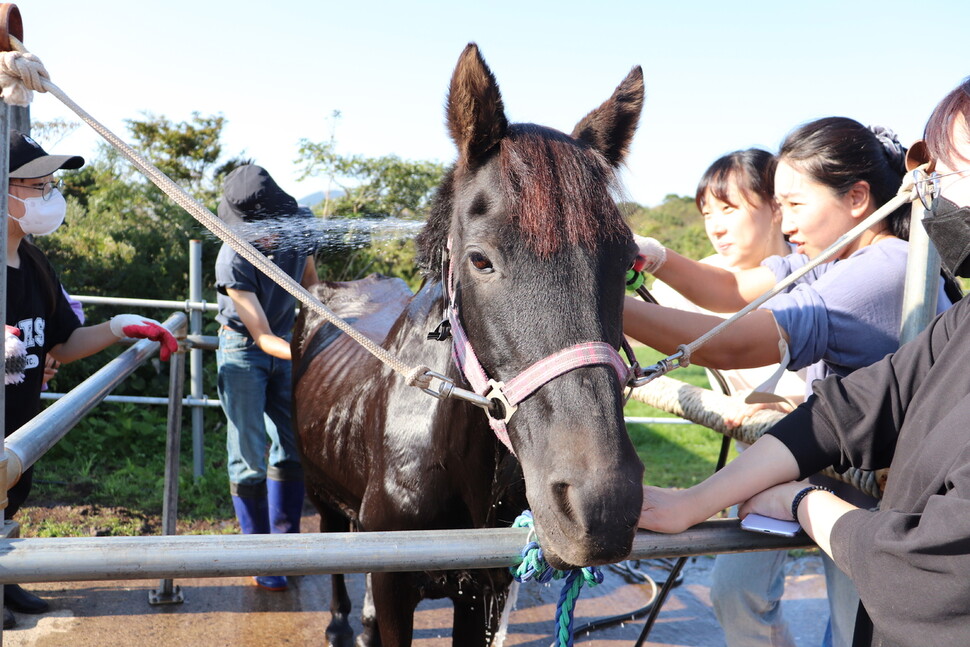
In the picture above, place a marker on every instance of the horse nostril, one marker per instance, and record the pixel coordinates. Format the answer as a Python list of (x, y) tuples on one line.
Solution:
[(560, 494)]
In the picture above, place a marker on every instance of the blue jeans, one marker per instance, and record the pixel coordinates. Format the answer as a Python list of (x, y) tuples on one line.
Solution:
[(255, 392), (746, 592)]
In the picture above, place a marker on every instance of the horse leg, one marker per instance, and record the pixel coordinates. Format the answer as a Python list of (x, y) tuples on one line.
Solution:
[(476, 619), (371, 635), (395, 599), (339, 631)]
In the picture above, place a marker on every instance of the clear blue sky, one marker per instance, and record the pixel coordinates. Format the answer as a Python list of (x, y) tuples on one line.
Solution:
[(719, 75)]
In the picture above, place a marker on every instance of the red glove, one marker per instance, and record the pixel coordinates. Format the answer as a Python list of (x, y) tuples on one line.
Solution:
[(144, 328)]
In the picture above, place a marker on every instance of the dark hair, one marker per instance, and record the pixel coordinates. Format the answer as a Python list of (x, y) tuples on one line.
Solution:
[(838, 152), (751, 170), (939, 131)]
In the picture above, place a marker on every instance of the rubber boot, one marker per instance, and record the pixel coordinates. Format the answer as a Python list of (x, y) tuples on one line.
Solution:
[(253, 516), (285, 505)]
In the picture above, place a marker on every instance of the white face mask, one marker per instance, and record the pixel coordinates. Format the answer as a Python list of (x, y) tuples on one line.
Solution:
[(42, 217)]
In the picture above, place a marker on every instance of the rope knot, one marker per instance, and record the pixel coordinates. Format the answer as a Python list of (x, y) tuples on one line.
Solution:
[(20, 74), (534, 567), (418, 376)]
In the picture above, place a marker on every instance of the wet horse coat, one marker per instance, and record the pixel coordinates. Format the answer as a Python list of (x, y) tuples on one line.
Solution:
[(538, 253)]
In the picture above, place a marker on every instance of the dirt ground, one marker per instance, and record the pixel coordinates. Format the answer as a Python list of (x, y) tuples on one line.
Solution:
[(230, 612)]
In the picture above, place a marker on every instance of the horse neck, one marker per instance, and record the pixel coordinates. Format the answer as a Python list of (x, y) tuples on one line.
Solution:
[(458, 434)]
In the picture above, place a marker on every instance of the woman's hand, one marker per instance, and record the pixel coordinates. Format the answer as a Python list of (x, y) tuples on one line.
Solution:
[(51, 366), (667, 510), (773, 502)]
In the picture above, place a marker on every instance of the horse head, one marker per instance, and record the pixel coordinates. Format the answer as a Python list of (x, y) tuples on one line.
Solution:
[(535, 253)]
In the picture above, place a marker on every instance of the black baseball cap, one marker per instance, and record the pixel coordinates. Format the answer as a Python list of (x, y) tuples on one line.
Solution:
[(29, 160), (250, 193)]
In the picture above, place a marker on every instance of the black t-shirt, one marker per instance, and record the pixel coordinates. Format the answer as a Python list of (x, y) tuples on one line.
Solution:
[(28, 308)]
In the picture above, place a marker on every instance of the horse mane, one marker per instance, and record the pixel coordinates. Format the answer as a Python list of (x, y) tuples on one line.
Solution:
[(553, 187)]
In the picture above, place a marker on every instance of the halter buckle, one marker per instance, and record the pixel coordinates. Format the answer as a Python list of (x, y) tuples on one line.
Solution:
[(495, 395)]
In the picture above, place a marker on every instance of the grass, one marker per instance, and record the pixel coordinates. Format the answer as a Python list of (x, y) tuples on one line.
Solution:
[(107, 476), (673, 455)]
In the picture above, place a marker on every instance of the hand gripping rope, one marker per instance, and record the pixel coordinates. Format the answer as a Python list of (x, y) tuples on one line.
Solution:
[(907, 193)]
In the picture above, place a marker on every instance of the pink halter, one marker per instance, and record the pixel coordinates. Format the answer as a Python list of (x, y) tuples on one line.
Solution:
[(511, 393)]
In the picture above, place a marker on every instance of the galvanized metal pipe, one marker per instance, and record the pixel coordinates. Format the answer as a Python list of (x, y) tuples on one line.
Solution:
[(166, 592), (922, 282), (26, 445), (195, 358), (135, 558), (146, 399), (188, 305)]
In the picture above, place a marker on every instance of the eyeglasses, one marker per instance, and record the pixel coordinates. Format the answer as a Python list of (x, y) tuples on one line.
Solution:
[(928, 187), (47, 189)]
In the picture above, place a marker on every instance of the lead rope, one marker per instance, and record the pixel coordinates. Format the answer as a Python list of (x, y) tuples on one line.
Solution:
[(534, 567), (21, 72)]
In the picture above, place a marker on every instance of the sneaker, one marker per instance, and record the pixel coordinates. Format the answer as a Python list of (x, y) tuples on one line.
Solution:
[(271, 582)]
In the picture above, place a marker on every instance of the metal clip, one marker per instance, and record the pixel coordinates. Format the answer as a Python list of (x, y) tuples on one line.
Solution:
[(662, 367), (447, 389), (496, 395)]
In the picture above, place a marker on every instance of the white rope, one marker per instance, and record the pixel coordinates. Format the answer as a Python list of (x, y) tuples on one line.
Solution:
[(704, 407), (21, 72)]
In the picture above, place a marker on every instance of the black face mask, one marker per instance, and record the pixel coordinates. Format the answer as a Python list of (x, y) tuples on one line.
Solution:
[(948, 226)]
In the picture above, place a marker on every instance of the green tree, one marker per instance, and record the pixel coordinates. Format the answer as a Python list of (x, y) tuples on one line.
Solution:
[(675, 222), (372, 186), (123, 237)]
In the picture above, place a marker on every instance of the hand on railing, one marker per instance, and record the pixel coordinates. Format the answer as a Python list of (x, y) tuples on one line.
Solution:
[(144, 328)]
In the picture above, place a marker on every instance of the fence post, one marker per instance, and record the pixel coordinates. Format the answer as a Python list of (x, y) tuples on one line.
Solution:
[(195, 358), (4, 172), (922, 278), (166, 593)]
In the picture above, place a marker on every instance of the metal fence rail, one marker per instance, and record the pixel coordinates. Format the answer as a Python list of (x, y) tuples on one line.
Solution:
[(109, 558)]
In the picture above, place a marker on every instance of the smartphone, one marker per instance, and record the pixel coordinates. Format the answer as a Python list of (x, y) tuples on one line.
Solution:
[(770, 525)]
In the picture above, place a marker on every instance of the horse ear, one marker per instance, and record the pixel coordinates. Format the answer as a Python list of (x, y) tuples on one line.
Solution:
[(609, 129), (476, 115)]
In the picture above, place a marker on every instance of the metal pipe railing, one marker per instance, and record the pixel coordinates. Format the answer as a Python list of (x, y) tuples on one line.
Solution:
[(922, 283), (135, 558), (188, 305), (26, 445)]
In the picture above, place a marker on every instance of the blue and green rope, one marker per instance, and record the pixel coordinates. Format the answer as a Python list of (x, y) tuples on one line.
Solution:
[(534, 567)]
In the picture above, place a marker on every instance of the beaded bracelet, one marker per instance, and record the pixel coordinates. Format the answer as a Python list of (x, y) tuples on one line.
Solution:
[(801, 495)]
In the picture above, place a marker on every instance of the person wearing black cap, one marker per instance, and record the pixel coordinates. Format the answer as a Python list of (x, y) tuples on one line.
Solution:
[(39, 314), (257, 316)]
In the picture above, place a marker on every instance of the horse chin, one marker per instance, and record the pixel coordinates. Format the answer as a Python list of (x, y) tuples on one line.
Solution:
[(564, 552)]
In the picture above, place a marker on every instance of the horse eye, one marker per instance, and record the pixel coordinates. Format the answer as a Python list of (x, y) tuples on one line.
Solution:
[(480, 262)]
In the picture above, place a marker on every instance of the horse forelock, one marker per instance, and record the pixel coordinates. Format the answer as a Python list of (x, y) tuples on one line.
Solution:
[(557, 191)]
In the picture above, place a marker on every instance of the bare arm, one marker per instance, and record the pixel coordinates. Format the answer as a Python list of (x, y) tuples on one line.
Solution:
[(83, 342), (714, 288), (817, 512), (254, 318), (766, 463), (750, 341)]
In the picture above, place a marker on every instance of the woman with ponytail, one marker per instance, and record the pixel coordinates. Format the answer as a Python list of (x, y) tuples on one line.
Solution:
[(843, 315)]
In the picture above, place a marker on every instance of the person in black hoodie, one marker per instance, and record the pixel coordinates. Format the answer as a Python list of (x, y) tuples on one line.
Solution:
[(910, 557), (253, 359)]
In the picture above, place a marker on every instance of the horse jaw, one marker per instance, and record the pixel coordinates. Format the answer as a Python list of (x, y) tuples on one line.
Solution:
[(583, 477)]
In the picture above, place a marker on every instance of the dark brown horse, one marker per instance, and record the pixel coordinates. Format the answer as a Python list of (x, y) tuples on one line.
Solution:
[(538, 252)]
